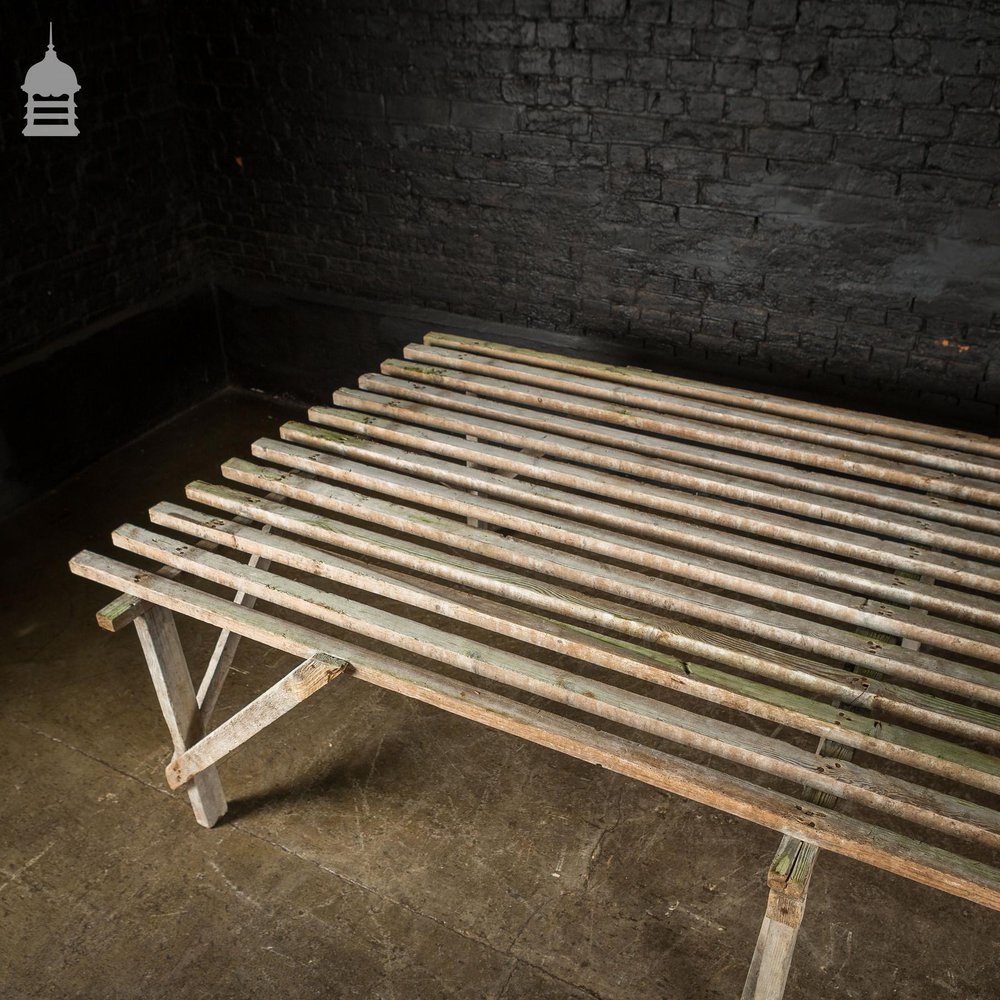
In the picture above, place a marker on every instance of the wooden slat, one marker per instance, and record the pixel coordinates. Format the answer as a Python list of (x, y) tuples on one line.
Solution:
[(815, 637), (667, 429), (822, 414), (508, 425), (354, 426), (724, 415), (723, 562), (708, 683), (864, 841), (821, 680), (690, 639), (729, 742)]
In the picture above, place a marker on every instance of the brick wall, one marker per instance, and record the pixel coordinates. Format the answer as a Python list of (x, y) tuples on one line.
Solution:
[(801, 189), (804, 188), (92, 224)]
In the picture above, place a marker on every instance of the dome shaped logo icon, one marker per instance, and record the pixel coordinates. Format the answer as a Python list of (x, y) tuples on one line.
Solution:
[(51, 87)]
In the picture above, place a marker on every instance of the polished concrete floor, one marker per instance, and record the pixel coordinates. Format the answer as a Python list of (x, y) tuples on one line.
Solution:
[(374, 847)]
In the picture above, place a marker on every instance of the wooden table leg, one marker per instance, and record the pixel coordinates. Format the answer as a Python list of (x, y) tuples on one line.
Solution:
[(772, 958), (178, 702)]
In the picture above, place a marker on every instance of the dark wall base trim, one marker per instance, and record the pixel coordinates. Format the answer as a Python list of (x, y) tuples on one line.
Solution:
[(171, 297), (70, 406)]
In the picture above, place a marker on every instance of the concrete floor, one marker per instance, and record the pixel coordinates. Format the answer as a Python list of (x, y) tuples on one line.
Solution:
[(374, 847)]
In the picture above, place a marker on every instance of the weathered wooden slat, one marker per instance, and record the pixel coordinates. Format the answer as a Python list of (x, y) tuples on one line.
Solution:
[(504, 424), (730, 742), (758, 524), (708, 683), (724, 559), (722, 414), (815, 637), (864, 841), (306, 679), (822, 414), (692, 640), (933, 481)]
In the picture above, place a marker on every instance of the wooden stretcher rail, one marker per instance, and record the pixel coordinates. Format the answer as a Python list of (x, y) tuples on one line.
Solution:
[(734, 573), (853, 838)]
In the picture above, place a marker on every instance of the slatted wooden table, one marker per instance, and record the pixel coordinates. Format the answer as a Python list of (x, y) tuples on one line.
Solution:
[(731, 574)]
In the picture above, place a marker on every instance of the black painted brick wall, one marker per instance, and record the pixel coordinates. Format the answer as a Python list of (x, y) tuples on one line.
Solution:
[(105, 220), (800, 187)]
